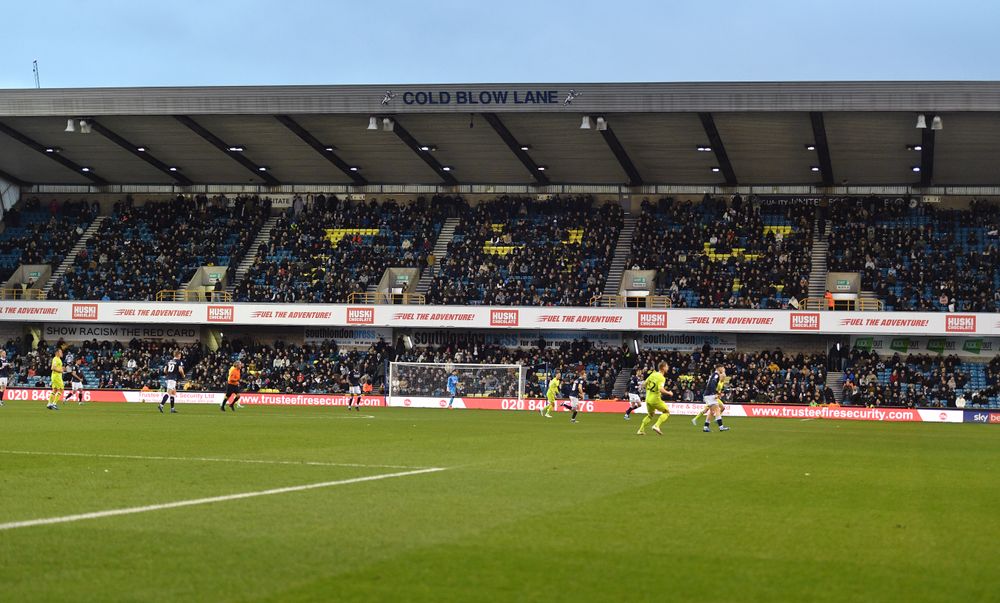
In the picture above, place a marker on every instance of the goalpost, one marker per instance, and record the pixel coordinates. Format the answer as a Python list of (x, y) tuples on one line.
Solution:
[(430, 379)]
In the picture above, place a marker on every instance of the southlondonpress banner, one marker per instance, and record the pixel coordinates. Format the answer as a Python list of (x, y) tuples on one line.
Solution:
[(485, 317), (358, 337), (513, 338), (843, 413), (965, 347), (687, 342)]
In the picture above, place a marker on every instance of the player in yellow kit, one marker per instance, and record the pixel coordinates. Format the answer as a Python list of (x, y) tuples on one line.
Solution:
[(554, 384), (57, 381), (655, 391)]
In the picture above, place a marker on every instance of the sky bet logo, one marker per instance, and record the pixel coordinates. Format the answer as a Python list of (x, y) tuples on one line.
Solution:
[(220, 314), (504, 318), (84, 311), (360, 316), (960, 323), (804, 322)]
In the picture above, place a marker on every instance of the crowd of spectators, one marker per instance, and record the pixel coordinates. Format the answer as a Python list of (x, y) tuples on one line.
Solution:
[(763, 377), (917, 257), (917, 380), (290, 368), (104, 364), (141, 249), (514, 251), (540, 362), (719, 253), (34, 233), (302, 262)]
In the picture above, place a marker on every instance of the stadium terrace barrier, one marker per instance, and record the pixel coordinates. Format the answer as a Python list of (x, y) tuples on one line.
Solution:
[(771, 411), (183, 295), (525, 317), (29, 294), (384, 298), (858, 305), (621, 301)]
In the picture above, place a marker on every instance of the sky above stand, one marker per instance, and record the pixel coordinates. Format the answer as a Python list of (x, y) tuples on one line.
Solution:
[(99, 43)]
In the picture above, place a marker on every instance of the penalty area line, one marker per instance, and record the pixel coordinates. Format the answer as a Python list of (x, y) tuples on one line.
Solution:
[(212, 499)]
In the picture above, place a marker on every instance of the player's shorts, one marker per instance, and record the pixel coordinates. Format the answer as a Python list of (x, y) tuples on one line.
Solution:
[(3, 381), (354, 390), (232, 389), (710, 400), (76, 385), (57, 383), (453, 394), (659, 405), (171, 384), (634, 399), (574, 402)]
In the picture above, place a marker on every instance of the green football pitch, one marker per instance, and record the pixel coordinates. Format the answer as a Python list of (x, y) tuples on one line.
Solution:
[(119, 502)]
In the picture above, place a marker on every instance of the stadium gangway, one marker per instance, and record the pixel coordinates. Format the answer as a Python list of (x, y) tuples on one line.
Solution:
[(860, 305), (622, 301), (378, 298), (180, 295), (28, 294)]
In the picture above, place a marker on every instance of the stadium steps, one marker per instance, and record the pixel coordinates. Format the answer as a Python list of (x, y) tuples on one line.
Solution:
[(440, 251), (835, 380), (622, 251), (818, 271), (244, 266), (621, 382), (71, 256), (868, 296)]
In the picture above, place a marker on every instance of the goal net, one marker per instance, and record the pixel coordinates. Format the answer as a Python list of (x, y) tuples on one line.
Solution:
[(430, 379)]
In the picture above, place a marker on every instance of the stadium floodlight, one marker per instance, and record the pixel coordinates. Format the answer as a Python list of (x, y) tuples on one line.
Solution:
[(141, 149), (602, 124), (373, 123), (525, 147), (814, 168), (446, 168), (915, 168), (387, 124), (715, 170), (354, 168), (921, 122), (810, 147), (84, 126), (262, 168), (542, 168), (585, 123), (936, 123), (52, 149), (172, 169), (85, 169), (69, 126), (704, 149), (914, 147)]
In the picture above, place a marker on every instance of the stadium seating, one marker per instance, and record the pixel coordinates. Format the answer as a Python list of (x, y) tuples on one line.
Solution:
[(763, 377), (516, 251), (332, 249), (106, 364), (34, 234), (916, 257), (143, 249), (919, 381), (718, 254)]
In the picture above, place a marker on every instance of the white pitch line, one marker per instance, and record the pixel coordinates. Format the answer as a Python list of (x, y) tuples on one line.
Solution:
[(205, 501), (201, 459)]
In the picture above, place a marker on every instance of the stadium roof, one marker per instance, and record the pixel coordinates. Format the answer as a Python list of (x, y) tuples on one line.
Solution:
[(812, 134)]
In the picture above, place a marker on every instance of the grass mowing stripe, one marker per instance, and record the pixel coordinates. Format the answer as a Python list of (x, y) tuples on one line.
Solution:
[(213, 499), (202, 459)]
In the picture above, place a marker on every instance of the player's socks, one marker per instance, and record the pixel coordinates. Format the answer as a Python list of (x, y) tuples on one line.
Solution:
[(629, 411), (171, 402), (708, 426), (719, 421), (164, 400), (660, 421), (645, 423), (566, 406), (573, 417)]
